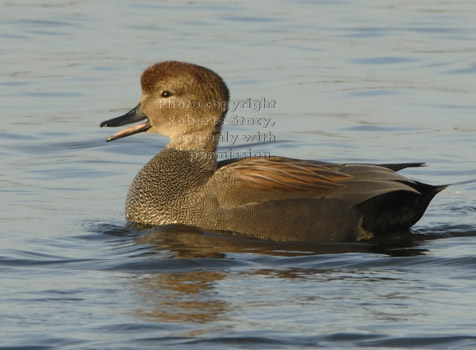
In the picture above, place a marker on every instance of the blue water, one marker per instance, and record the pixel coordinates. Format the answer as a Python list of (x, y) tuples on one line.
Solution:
[(353, 82)]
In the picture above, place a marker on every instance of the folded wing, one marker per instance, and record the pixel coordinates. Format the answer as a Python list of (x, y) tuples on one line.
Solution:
[(254, 180)]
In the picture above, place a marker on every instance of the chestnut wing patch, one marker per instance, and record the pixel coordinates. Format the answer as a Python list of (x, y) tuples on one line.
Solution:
[(285, 174)]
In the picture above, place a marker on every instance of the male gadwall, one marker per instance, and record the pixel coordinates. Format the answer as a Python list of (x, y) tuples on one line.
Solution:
[(272, 198)]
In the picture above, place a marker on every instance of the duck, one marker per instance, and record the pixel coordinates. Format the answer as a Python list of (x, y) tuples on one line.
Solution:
[(269, 197)]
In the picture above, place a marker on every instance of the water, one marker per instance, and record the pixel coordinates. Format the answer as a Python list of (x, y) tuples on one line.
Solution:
[(368, 82)]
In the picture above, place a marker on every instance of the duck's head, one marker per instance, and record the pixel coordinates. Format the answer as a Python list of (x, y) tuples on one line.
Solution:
[(180, 100)]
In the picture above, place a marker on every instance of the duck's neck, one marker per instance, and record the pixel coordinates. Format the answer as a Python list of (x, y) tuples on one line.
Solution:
[(189, 159), (199, 133), (197, 160), (204, 141), (184, 167)]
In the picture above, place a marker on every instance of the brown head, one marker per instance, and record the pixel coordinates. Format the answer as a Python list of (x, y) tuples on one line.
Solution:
[(180, 100)]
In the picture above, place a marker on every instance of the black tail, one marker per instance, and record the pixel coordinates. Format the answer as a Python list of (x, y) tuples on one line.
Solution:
[(398, 210)]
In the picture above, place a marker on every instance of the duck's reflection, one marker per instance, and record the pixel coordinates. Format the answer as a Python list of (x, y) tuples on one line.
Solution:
[(191, 294), (181, 297), (188, 242)]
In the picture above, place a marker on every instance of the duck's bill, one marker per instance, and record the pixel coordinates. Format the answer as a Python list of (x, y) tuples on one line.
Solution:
[(134, 115)]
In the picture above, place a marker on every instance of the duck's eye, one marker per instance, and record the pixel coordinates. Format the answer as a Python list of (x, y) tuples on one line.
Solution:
[(166, 93)]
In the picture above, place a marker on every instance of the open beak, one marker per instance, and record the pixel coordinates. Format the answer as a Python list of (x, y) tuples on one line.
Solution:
[(134, 115)]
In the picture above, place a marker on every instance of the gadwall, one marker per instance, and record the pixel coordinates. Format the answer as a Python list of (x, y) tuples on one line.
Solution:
[(271, 198)]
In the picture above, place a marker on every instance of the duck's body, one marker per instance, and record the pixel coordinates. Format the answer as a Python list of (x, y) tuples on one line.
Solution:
[(272, 198)]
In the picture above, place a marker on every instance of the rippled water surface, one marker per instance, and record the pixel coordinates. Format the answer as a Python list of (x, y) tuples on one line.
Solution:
[(365, 81)]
